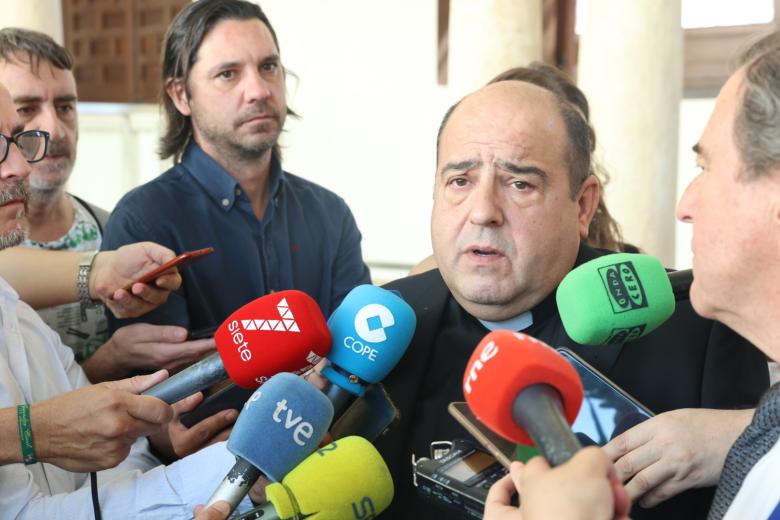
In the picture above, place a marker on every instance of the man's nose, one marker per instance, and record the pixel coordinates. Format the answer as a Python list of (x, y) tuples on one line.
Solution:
[(48, 121), (256, 87), (486, 207)]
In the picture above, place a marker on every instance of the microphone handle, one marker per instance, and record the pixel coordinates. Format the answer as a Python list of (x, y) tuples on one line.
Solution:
[(537, 408), (236, 484), (192, 379), (339, 398)]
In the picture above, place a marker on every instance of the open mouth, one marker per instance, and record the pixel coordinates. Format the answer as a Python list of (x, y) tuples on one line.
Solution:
[(484, 251)]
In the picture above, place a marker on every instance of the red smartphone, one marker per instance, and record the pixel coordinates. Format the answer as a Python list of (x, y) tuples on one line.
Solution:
[(183, 259)]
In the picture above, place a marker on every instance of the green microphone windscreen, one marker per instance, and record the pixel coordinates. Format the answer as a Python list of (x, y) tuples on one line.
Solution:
[(614, 299), (345, 479)]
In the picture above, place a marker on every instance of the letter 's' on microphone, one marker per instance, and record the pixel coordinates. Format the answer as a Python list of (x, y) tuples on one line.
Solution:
[(345, 479)]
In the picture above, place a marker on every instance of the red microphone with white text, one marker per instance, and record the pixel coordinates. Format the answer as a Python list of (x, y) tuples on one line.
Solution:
[(523, 390), (280, 332)]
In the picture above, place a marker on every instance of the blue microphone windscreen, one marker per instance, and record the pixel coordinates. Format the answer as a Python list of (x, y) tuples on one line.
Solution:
[(371, 330), (280, 425)]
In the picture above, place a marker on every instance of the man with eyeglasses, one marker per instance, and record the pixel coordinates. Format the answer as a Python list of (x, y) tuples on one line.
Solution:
[(37, 72), (65, 426)]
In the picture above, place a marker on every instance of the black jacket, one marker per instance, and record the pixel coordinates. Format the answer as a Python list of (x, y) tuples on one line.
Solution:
[(688, 362)]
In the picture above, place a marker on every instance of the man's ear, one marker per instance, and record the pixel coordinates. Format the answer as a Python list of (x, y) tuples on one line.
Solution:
[(588, 202), (175, 89)]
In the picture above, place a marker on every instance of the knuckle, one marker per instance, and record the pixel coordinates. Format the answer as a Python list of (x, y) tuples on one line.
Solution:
[(621, 444), (642, 483), (115, 402), (625, 466), (115, 427)]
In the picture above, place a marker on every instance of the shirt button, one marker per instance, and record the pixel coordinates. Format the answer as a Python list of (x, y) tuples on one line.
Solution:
[(225, 202)]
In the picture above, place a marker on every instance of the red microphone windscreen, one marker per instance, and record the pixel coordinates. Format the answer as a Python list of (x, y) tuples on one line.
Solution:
[(280, 332), (503, 364)]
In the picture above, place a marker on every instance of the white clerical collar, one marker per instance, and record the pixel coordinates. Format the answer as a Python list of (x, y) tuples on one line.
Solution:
[(517, 323)]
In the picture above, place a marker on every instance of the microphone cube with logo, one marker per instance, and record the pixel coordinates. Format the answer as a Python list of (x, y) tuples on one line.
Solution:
[(371, 330), (280, 425), (279, 332), (614, 299)]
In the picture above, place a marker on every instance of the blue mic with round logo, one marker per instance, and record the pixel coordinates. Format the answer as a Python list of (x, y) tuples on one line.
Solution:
[(371, 330)]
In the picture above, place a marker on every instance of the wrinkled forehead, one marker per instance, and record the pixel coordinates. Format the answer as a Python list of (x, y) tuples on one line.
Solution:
[(9, 120), (22, 80)]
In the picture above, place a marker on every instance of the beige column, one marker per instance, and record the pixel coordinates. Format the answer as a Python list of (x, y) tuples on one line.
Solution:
[(489, 36), (38, 15), (630, 67)]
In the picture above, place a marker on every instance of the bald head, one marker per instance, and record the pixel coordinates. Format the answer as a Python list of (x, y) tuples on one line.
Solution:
[(506, 222), (505, 100)]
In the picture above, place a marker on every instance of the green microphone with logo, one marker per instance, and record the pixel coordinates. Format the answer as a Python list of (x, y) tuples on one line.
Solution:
[(618, 298)]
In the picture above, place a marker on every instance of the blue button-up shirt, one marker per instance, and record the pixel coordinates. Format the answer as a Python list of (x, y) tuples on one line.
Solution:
[(306, 240)]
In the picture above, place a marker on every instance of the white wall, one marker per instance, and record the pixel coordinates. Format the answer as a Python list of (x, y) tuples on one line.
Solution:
[(694, 114), (116, 151), (370, 109)]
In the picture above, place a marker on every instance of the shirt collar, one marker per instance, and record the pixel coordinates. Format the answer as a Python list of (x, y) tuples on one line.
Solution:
[(220, 186), (517, 323)]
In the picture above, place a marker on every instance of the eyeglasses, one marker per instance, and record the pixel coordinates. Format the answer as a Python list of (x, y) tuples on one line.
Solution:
[(32, 144)]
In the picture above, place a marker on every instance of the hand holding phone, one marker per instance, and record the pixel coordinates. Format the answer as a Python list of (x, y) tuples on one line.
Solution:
[(183, 259)]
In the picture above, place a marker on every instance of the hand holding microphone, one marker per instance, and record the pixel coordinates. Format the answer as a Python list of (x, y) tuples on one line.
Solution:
[(345, 479), (280, 332), (94, 427), (525, 391), (585, 487), (619, 297)]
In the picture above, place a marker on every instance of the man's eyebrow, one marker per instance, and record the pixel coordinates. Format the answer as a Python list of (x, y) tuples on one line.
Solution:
[(68, 98), (17, 129), (697, 149), (28, 99), (461, 166), (224, 65), (271, 58), (516, 169)]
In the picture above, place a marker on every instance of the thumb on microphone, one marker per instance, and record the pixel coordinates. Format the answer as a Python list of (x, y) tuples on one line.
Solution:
[(137, 384), (217, 511), (143, 407)]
